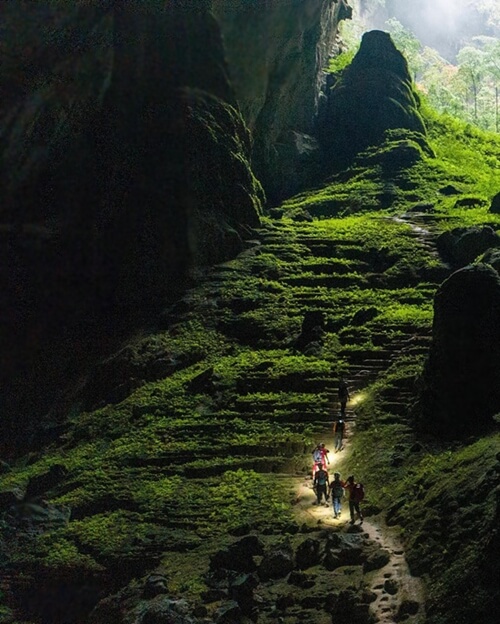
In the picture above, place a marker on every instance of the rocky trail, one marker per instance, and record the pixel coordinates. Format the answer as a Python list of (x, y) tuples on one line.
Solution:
[(277, 382), (394, 593)]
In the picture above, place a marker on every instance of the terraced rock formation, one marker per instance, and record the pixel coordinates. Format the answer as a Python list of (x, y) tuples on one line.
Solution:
[(204, 425)]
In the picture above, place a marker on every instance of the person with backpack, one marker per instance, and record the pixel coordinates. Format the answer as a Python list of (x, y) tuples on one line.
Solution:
[(320, 456), (320, 483), (324, 455), (337, 493), (356, 495), (338, 432)]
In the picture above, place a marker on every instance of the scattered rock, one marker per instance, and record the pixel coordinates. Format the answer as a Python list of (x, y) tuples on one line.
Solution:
[(43, 483), (155, 585), (463, 245), (495, 204), (406, 608), (308, 553), (228, 613), (377, 560), (239, 556), (277, 563), (391, 586)]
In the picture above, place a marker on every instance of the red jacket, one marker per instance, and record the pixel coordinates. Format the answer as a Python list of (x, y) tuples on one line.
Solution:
[(356, 491)]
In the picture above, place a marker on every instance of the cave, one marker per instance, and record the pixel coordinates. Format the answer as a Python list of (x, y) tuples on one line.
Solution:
[(217, 215)]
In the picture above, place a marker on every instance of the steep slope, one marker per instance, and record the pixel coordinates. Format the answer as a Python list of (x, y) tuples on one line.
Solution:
[(112, 120), (175, 479)]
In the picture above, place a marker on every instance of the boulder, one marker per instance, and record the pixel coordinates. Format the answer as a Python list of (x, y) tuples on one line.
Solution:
[(373, 94), (492, 257), (449, 189), (228, 613), (462, 246), (300, 579), (241, 589), (155, 585), (343, 550), (277, 563), (312, 330), (163, 610), (495, 204), (461, 393), (239, 556), (376, 560), (47, 481), (10, 497), (468, 202), (308, 553)]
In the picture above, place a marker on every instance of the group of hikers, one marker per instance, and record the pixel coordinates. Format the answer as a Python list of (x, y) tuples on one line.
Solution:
[(337, 488)]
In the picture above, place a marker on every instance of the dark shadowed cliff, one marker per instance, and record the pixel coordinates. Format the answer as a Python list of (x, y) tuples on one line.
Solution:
[(125, 131)]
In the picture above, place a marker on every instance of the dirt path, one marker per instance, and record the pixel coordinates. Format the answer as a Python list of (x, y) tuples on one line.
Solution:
[(398, 594)]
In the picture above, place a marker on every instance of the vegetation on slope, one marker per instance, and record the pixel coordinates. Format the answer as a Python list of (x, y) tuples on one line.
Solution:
[(198, 420)]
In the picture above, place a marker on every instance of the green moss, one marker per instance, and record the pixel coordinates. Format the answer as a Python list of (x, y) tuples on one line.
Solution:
[(180, 461)]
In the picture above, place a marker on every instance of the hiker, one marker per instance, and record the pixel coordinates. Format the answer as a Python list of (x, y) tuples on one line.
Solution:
[(337, 493), (356, 495), (324, 454), (320, 456), (338, 433), (344, 396), (320, 483)]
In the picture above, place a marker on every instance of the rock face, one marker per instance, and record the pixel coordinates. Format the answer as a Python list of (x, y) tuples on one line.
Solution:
[(461, 246), (126, 160), (106, 162), (372, 95), (462, 389), (276, 53)]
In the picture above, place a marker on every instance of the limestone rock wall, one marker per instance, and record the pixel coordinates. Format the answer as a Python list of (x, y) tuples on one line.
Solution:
[(276, 53), (126, 162)]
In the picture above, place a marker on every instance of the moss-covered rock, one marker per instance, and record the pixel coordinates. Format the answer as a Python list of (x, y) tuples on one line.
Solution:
[(462, 393), (373, 94)]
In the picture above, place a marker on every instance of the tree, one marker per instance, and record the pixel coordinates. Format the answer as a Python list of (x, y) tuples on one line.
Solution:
[(407, 43), (472, 68), (492, 65)]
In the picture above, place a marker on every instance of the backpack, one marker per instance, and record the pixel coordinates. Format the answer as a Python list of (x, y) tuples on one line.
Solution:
[(317, 455), (321, 477), (337, 490), (358, 493), (340, 426)]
